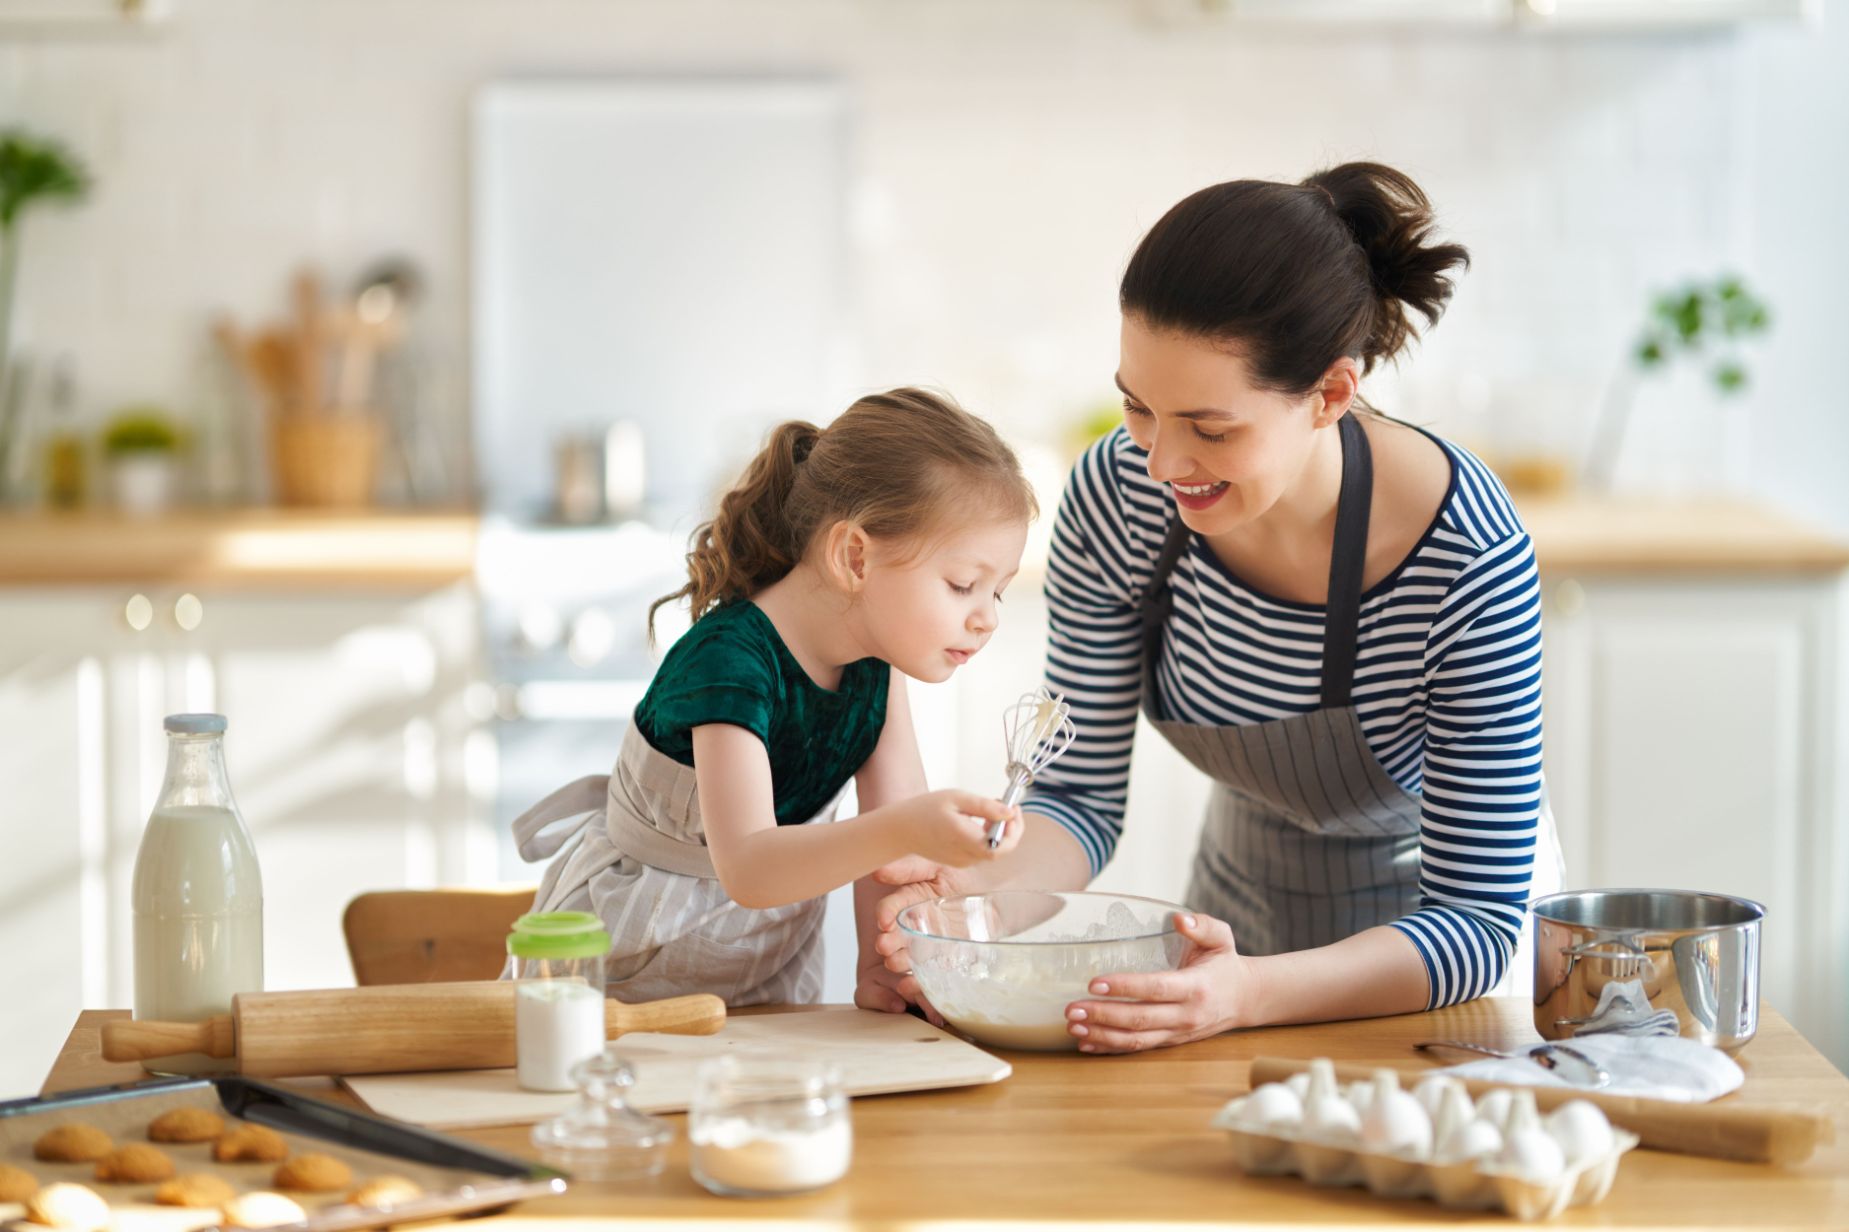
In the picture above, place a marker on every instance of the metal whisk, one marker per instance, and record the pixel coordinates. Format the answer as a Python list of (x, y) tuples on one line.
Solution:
[(1038, 729)]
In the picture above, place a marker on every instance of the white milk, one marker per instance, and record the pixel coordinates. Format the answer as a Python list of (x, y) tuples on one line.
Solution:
[(198, 920), (557, 1023)]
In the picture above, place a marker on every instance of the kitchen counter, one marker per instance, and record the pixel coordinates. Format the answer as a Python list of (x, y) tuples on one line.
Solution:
[(282, 548), (1124, 1141), (265, 548), (1584, 534)]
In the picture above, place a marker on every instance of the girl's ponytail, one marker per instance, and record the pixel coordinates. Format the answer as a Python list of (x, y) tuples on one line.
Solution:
[(749, 543)]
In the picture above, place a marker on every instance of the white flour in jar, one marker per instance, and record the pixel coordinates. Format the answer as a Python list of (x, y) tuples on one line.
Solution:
[(735, 1153), (557, 1023)]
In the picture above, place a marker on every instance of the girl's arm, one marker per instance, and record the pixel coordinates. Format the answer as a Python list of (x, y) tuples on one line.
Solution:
[(761, 864), (895, 772)]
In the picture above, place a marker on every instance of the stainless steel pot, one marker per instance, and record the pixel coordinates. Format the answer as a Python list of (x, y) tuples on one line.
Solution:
[(1647, 962)]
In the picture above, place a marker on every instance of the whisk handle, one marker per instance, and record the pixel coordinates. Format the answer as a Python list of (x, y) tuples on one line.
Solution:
[(1019, 779)]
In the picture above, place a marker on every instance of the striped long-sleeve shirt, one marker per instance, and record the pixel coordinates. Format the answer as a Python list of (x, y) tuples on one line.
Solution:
[(1447, 686)]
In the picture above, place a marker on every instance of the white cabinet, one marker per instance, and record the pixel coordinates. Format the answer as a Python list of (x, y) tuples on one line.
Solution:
[(1693, 741), (348, 749)]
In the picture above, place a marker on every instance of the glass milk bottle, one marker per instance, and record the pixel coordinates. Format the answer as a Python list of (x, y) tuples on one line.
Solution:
[(198, 892), (559, 1000)]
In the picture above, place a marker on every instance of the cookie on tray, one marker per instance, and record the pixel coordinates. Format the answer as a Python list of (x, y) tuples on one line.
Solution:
[(134, 1164), (251, 1144), (385, 1191), (75, 1143), (199, 1190), (16, 1184), (262, 1210), (313, 1174), (68, 1206), (186, 1125)]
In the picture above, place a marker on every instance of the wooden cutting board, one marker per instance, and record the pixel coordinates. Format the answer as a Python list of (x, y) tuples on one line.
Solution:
[(878, 1055)]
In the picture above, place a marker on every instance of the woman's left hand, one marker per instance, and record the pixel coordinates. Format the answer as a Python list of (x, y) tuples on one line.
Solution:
[(1212, 992)]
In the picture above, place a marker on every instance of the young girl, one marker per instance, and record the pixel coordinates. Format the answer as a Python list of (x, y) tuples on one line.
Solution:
[(846, 559)]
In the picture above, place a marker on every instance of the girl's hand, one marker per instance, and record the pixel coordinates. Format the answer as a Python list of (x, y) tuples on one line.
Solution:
[(951, 827), (1212, 992)]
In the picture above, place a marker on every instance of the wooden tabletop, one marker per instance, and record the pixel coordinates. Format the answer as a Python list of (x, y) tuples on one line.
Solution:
[(1124, 1141), (264, 548), (1595, 535)]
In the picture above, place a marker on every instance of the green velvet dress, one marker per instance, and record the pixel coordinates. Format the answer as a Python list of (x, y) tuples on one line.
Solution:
[(732, 667)]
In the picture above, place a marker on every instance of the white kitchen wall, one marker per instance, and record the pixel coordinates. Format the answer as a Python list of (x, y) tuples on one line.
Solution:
[(1007, 158)]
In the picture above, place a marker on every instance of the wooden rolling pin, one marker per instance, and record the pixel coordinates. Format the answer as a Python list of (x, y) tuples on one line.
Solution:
[(383, 1029), (1760, 1135)]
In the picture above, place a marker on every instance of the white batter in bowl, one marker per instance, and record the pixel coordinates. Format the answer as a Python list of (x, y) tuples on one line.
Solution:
[(1003, 967)]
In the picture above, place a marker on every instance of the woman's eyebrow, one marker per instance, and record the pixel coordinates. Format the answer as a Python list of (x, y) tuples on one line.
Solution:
[(1203, 413)]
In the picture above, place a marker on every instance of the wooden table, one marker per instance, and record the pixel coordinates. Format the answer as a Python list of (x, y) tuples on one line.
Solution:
[(1123, 1141)]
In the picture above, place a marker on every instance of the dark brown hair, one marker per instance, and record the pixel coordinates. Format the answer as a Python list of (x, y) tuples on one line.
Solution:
[(902, 464), (1296, 275)]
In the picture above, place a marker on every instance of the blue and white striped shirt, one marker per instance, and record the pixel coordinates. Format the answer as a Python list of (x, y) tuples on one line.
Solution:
[(1447, 686)]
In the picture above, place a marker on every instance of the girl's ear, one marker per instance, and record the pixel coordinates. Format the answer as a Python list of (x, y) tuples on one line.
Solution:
[(1340, 386), (846, 557)]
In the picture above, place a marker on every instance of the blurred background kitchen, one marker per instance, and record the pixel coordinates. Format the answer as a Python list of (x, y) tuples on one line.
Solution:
[(367, 363)]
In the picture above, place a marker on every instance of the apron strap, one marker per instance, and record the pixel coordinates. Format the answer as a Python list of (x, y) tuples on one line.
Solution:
[(1347, 562), (579, 799)]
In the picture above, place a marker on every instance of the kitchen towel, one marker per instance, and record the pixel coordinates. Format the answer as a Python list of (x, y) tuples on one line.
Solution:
[(1653, 1066)]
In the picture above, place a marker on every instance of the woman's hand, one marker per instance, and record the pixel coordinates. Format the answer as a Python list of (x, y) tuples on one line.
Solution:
[(951, 827), (918, 880), (878, 988), (1212, 992)]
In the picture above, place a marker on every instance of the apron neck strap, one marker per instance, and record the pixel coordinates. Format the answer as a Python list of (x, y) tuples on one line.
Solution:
[(1347, 563)]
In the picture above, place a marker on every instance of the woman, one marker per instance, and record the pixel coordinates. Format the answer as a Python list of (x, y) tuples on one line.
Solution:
[(1333, 615)]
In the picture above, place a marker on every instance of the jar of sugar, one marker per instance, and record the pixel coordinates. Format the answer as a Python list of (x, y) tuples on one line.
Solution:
[(762, 1126), (559, 1000)]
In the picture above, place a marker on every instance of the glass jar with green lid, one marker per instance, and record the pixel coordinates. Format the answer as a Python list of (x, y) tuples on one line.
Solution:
[(559, 1000)]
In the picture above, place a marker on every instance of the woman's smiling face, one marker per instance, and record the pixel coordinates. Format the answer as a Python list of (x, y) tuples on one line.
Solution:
[(1226, 448)]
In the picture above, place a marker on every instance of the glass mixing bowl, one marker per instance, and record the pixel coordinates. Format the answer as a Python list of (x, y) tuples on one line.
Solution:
[(1003, 967)]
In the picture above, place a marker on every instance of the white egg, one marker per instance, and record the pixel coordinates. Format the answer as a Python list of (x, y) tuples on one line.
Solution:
[(1273, 1107), (1528, 1150), (1493, 1106), (1394, 1123), (1328, 1117), (1359, 1094), (1431, 1092), (1299, 1084), (1582, 1131)]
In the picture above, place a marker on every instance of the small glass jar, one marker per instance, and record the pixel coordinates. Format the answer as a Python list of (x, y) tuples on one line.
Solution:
[(765, 1126), (603, 1138), (559, 1000)]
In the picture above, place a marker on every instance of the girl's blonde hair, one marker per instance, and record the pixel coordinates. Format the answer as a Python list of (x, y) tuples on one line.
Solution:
[(901, 465)]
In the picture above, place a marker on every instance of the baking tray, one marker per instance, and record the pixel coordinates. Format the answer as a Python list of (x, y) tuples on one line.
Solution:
[(457, 1177)]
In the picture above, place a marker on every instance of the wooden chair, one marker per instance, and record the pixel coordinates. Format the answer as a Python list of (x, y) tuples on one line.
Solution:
[(429, 936)]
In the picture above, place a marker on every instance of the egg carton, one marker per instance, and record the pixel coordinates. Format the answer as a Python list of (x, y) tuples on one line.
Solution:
[(1462, 1186)]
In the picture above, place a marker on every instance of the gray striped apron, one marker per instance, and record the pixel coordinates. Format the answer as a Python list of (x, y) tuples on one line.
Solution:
[(1307, 838), (638, 859)]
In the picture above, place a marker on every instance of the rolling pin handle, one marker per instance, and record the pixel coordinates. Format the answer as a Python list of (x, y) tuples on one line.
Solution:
[(141, 1041), (697, 1014)]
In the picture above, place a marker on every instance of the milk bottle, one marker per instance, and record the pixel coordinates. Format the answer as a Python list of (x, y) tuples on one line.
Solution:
[(198, 893)]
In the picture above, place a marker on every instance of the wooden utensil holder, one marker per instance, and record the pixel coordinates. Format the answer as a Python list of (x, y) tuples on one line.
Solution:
[(327, 460)]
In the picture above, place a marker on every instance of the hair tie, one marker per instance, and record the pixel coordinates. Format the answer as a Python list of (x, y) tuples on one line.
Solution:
[(804, 447), (1329, 196)]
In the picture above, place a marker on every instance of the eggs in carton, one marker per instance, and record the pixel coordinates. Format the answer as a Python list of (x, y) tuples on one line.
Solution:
[(1432, 1141)]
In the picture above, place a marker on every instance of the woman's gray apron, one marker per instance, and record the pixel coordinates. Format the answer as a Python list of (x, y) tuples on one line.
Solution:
[(1307, 838), (641, 864)]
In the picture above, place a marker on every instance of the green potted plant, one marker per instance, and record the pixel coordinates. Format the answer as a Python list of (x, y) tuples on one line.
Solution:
[(141, 446), (1710, 322), (32, 170)]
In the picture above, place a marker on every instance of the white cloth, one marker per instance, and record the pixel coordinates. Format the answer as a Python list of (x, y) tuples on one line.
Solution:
[(1654, 1067)]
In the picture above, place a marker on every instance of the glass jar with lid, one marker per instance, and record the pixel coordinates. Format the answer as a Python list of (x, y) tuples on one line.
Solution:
[(559, 1000)]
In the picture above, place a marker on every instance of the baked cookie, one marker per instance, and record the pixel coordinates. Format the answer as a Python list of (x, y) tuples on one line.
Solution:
[(186, 1125), (199, 1190), (134, 1164), (16, 1184), (68, 1206), (251, 1144), (385, 1191), (262, 1210), (73, 1144), (313, 1174)]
